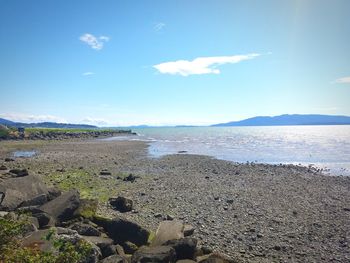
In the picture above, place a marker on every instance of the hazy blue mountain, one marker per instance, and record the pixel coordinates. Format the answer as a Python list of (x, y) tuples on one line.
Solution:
[(6, 122), (286, 119), (45, 125)]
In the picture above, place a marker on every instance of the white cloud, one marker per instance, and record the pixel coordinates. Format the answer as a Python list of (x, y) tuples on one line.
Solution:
[(343, 80), (95, 121), (88, 73), (20, 117), (201, 65), (159, 26), (94, 42)]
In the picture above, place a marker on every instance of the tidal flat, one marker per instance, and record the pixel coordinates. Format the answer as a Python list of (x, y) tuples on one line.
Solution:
[(251, 212)]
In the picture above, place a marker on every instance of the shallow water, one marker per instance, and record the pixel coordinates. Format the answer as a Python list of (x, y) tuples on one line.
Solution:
[(323, 146), (25, 154)]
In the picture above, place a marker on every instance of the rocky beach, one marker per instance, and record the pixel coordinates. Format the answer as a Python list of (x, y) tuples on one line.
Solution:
[(248, 212)]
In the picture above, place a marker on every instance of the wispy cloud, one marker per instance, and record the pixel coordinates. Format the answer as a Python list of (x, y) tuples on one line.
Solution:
[(95, 121), (89, 73), (201, 65), (20, 117), (159, 26), (343, 80), (94, 42)]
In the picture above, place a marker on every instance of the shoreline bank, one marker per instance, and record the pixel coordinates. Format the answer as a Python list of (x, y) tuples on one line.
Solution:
[(254, 212)]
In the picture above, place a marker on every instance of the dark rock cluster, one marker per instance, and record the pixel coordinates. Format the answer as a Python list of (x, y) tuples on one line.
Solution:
[(112, 240)]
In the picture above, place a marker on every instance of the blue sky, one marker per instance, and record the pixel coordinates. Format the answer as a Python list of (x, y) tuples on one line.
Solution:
[(172, 62)]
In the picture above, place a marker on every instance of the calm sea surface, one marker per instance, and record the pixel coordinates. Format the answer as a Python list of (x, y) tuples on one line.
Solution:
[(322, 146)]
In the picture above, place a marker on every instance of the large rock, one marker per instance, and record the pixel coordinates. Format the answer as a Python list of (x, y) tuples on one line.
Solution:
[(38, 200), (39, 241), (99, 241), (114, 259), (159, 254), (121, 204), (168, 230), (185, 248), (19, 172), (15, 191), (85, 229), (63, 207), (122, 230)]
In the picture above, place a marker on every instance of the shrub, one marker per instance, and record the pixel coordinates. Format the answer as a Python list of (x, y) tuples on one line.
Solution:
[(12, 252)]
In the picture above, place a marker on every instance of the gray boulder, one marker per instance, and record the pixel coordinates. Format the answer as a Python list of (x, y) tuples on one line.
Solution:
[(38, 200), (19, 172), (185, 248), (114, 259), (85, 229), (121, 204), (63, 207), (122, 230), (15, 191), (159, 254), (168, 230)]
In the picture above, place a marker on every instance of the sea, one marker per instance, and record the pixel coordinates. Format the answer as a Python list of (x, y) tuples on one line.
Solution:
[(326, 147)]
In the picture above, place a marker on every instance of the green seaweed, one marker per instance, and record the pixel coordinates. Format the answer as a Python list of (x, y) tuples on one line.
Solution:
[(90, 186)]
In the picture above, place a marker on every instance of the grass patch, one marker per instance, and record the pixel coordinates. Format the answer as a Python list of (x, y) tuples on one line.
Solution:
[(68, 130), (89, 185), (3, 133)]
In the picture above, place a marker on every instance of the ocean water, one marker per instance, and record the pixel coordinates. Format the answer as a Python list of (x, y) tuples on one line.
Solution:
[(321, 146)]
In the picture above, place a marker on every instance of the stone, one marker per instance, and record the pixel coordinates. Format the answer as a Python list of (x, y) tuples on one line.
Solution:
[(159, 254), (65, 231), (158, 215), (2, 196), (85, 229), (63, 207), (53, 193), (169, 217), (185, 248), (105, 172), (17, 190), (19, 172), (121, 204), (206, 250), (168, 230), (3, 168), (99, 241), (129, 247), (44, 219), (185, 261), (214, 258), (3, 213), (122, 230), (130, 178), (120, 250), (108, 250), (38, 200), (9, 160), (38, 240), (188, 230), (114, 259)]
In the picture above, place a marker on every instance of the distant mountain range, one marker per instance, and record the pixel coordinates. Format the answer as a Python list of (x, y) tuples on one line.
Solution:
[(286, 119), (46, 125), (281, 120)]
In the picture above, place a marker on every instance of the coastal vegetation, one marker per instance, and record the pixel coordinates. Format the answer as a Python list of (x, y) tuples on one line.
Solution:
[(38, 133), (11, 251)]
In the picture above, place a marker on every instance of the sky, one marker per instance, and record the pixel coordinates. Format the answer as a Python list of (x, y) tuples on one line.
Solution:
[(191, 62)]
